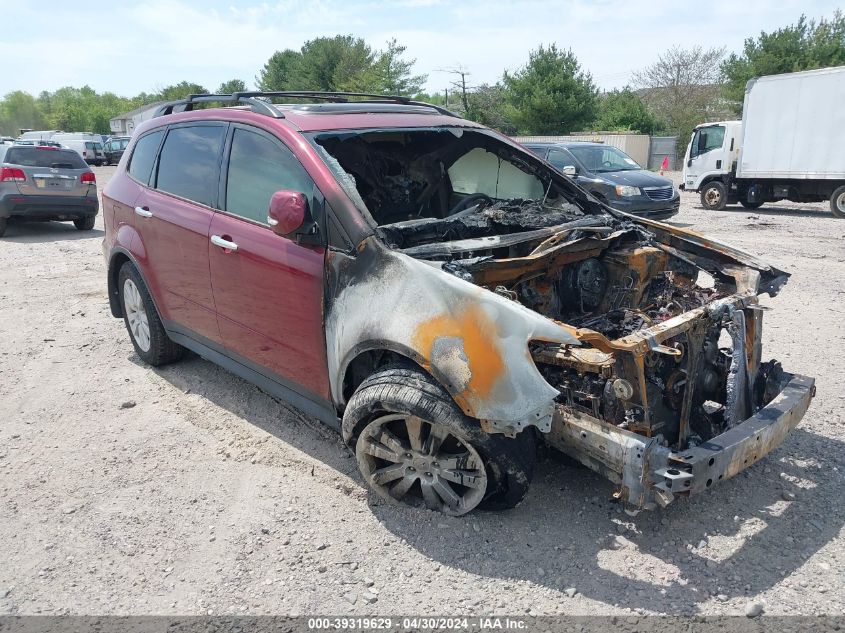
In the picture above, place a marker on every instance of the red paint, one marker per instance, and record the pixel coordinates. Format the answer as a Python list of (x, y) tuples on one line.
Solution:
[(176, 242), (269, 299)]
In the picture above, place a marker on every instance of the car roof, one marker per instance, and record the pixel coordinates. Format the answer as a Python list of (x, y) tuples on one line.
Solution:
[(312, 117), (565, 144)]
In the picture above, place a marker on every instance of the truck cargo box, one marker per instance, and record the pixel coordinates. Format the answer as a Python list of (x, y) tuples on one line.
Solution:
[(794, 126)]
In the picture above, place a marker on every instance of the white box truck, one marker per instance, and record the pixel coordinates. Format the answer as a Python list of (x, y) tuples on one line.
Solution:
[(790, 145)]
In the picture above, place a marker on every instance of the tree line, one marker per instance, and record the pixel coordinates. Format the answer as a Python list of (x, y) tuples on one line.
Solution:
[(550, 94)]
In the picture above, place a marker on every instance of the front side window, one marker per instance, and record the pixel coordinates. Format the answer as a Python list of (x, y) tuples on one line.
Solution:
[(707, 139), (188, 163), (144, 155), (258, 168)]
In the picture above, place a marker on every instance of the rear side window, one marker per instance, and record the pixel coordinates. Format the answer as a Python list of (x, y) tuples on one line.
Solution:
[(42, 157), (258, 168), (141, 164), (89, 145), (188, 163)]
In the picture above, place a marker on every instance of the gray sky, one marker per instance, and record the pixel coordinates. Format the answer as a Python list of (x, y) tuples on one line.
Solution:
[(130, 47)]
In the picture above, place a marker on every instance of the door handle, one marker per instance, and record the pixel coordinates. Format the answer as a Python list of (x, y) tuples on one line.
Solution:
[(143, 212), (224, 244)]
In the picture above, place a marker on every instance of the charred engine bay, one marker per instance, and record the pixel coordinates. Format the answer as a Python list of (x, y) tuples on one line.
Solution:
[(611, 276)]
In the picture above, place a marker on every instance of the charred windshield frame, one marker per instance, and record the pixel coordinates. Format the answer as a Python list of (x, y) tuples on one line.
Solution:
[(552, 182)]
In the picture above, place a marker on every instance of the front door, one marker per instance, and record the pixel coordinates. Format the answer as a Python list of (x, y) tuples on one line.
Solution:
[(268, 290), (173, 217), (705, 155)]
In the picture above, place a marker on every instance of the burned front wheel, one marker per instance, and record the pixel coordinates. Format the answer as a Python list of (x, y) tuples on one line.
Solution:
[(414, 445), (406, 458)]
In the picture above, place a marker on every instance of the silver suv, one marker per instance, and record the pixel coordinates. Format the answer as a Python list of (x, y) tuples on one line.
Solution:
[(47, 183)]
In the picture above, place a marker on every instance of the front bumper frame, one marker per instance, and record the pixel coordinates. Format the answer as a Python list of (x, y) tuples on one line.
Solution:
[(700, 467), (650, 474)]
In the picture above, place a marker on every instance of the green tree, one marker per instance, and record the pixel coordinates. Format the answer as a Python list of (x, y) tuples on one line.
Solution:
[(623, 110), (19, 110), (802, 46), (488, 105), (339, 63), (551, 94), (233, 85), (180, 91), (393, 73), (280, 72)]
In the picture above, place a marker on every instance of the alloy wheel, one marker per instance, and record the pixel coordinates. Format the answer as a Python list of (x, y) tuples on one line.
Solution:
[(136, 315), (408, 459)]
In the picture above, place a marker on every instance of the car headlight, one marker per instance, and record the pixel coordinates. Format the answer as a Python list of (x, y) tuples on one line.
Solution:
[(626, 191)]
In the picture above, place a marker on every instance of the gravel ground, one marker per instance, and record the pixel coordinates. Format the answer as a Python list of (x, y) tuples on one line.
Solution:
[(185, 490)]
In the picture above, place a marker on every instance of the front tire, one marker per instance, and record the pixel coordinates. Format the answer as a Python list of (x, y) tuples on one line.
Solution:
[(3, 224), (414, 445), (837, 202), (146, 331), (714, 196), (84, 224)]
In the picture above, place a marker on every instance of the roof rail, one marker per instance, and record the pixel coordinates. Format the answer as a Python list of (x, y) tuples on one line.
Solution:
[(258, 101)]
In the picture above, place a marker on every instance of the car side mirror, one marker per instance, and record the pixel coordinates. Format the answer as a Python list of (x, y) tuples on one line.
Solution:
[(570, 170), (289, 216), (702, 143)]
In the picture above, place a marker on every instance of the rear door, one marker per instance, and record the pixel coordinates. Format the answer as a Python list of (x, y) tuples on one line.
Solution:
[(172, 220), (269, 290)]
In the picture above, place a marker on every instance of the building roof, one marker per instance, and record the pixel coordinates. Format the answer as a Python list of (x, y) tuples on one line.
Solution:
[(143, 108)]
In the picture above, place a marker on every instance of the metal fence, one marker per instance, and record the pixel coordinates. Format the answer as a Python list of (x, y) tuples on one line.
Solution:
[(663, 147)]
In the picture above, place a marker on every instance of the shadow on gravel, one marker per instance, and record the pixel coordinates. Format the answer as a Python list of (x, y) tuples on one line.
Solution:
[(39, 232), (569, 533), (198, 376)]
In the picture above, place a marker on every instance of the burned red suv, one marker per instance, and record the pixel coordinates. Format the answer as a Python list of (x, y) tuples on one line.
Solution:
[(443, 297)]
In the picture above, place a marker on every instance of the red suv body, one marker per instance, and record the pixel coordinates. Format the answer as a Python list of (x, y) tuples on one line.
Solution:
[(448, 294)]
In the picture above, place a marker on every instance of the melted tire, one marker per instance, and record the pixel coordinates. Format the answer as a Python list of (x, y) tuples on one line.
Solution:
[(405, 389)]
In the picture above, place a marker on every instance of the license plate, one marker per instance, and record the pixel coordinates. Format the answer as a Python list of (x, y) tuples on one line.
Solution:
[(41, 182)]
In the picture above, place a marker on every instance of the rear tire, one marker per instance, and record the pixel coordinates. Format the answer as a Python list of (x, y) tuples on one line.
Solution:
[(402, 402), (84, 224), (3, 224), (714, 196), (837, 202), (751, 205), (146, 331)]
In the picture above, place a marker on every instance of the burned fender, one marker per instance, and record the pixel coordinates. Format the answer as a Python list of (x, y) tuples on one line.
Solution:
[(471, 340)]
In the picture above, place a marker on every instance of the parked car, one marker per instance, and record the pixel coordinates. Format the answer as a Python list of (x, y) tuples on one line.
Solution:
[(38, 135), (444, 298), (38, 143), (114, 149), (89, 146), (613, 177), (47, 183)]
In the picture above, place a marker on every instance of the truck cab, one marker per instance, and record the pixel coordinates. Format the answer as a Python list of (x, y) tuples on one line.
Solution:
[(712, 153)]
